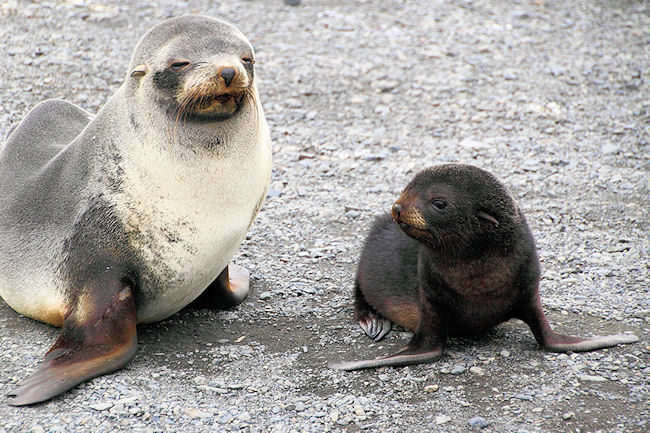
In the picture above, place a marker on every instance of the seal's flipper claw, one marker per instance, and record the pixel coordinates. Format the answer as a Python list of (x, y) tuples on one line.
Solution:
[(227, 290), (375, 326), (98, 336), (404, 357)]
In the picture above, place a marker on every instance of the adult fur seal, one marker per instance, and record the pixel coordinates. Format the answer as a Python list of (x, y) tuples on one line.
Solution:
[(463, 262), (128, 216)]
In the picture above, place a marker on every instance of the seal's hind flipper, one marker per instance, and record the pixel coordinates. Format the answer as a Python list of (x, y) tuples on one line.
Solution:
[(372, 323), (559, 342), (227, 290), (534, 316), (98, 336), (375, 326)]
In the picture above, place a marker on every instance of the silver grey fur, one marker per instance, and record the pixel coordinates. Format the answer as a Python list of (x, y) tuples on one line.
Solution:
[(183, 222)]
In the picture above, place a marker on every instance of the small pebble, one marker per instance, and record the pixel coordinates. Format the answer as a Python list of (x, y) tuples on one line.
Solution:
[(458, 369), (200, 380), (610, 148), (225, 418), (590, 378), (195, 413), (101, 406), (479, 422), (375, 157), (344, 421)]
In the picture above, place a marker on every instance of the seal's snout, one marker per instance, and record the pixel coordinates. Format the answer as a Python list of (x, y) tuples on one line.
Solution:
[(228, 74), (406, 213), (396, 211), (215, 90)]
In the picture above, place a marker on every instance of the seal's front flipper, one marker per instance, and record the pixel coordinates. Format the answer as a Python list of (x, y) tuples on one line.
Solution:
[(406, 356), (427, 345), (98, 336), (228, 290), (534, 316)]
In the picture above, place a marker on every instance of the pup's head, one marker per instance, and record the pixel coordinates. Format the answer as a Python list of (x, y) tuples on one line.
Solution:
[(455, 205)]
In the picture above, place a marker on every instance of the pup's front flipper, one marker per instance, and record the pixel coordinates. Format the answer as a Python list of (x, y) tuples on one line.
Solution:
[(406, 356), (427, 345), (98, 336)]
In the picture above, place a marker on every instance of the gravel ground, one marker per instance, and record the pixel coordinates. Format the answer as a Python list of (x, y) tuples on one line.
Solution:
[(552, 99)]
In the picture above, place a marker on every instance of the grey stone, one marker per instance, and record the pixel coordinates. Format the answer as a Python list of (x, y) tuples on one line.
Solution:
[(478, 422)]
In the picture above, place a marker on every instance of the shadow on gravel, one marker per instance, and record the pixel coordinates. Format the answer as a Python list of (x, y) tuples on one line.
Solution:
[(517, 383)]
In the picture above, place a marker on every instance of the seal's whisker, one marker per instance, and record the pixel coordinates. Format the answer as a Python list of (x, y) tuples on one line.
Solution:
[(185, 107), (179, 112), (190, 106)]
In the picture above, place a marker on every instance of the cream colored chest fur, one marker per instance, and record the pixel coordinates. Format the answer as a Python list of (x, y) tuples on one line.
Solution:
[(187, 216)]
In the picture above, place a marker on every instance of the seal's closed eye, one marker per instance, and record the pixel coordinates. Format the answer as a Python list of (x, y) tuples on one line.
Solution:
[(179, 65)]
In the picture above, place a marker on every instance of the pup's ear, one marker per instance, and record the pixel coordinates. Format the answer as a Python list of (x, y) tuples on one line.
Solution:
[(486, 216)]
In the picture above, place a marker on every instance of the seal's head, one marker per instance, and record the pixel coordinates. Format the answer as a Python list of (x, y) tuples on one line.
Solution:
[(454, 206), (198, 68)]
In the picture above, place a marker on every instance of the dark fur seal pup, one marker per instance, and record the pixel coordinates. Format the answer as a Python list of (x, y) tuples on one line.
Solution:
[(463, 262), (127, 216)]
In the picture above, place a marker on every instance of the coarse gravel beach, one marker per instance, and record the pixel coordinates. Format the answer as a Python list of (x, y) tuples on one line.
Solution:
[(550, 96)]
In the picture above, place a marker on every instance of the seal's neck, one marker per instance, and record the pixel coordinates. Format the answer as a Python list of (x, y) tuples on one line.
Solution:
[(157, 126)]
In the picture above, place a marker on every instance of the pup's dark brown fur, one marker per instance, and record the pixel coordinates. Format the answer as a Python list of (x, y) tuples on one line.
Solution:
[(463, 262)]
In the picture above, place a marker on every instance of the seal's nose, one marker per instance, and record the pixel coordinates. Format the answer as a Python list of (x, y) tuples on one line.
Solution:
[(227, 74), (397, 209)]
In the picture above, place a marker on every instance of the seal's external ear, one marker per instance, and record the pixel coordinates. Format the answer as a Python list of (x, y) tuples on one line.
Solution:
[(487, 216), (139, 70)]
